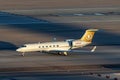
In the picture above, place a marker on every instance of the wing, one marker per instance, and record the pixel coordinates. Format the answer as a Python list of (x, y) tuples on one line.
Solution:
[(65, 52), (93, 49)]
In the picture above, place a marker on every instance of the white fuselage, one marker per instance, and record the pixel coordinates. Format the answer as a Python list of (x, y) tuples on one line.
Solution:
[(53, 46), (61, 47)]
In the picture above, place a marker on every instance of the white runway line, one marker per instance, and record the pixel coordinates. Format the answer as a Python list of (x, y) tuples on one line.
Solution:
[(87, 21)]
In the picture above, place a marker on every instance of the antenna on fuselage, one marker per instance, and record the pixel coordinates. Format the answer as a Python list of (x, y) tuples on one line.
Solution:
[(54, 39)]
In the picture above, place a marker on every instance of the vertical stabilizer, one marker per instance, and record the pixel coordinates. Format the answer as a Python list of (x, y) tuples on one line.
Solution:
[(89, 34)]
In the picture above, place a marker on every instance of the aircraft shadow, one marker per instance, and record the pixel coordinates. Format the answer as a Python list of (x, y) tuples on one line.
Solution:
[(10, 18), (7, 46), (65, 30)]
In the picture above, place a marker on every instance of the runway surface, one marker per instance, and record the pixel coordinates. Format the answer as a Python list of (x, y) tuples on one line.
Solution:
[(33, 24), (17, 30), (53, 4), (37, 76)]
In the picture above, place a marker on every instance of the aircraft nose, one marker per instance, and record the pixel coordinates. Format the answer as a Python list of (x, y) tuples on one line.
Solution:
[(18, 50)]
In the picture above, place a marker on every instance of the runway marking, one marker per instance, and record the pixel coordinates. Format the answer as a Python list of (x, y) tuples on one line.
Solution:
[(88, 21)]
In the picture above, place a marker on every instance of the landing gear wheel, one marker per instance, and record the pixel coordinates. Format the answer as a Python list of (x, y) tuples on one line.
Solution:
[(65, 53), (59, 53), (23, 54)]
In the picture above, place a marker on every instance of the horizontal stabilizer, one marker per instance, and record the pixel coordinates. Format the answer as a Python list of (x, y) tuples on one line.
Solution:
[(94, 48)]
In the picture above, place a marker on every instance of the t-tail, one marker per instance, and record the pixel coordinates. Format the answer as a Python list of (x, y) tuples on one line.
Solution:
[(89, 34)]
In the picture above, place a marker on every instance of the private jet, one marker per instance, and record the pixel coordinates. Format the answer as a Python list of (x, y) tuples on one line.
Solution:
[(61, 47)]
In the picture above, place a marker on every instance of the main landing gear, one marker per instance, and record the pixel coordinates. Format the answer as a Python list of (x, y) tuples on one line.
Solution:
[(23, 54), (63, 53)]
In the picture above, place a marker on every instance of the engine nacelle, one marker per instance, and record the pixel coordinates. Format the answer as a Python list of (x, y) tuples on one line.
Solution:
[(70, 42)]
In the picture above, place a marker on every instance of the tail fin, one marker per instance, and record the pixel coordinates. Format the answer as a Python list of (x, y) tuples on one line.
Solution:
[(89, 34)]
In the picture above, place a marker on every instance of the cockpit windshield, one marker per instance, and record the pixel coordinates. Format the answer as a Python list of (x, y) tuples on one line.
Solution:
[(23, 46)]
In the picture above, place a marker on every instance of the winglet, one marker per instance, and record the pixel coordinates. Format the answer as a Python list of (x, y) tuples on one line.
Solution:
[(94, 48)]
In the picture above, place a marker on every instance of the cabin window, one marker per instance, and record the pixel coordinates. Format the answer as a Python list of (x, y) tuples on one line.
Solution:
[(53, 45), (42, 46), (50, 46), (39, 46), (57, 45), (46, 46)]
